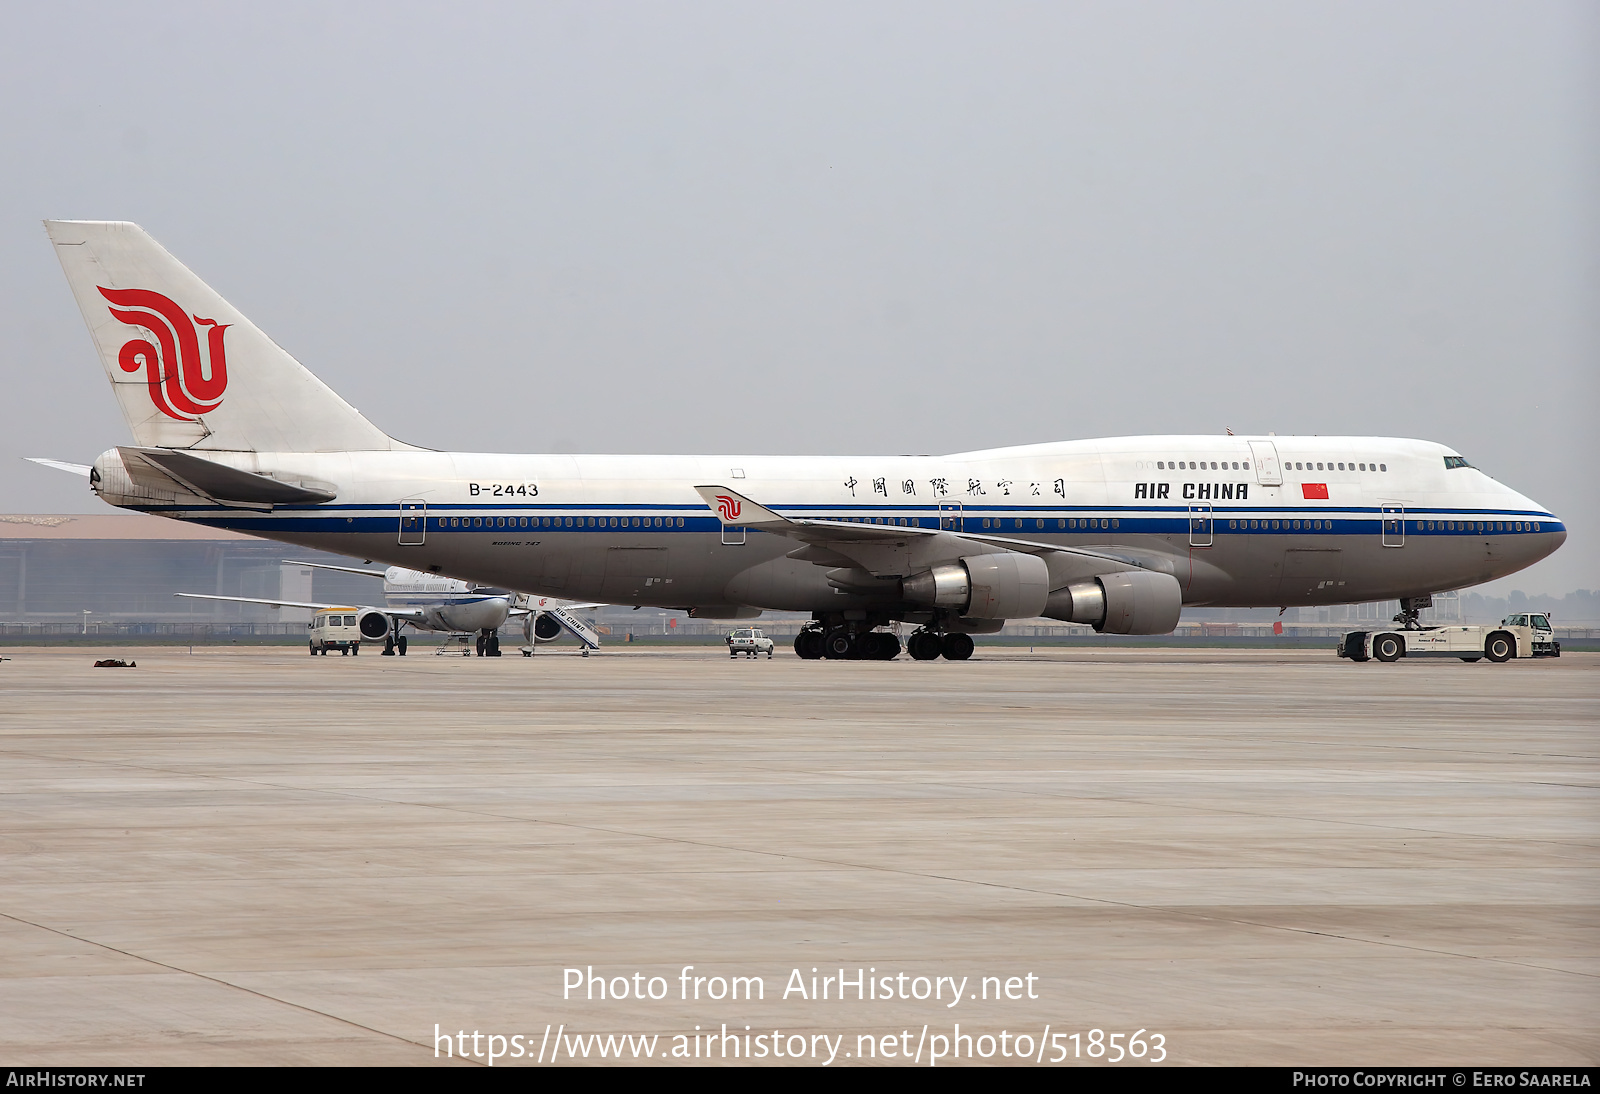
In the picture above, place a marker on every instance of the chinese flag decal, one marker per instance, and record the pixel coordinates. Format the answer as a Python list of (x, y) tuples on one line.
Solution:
[(1314, 491)]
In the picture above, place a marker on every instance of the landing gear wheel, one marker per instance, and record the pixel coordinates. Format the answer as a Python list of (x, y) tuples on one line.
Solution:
[(388, 646), (494, 646), (871, 646), (1500, 647), (924, 646), (956, 646), (1388, 647), (808, 645), (480, 644), (889, 647), (400, 645), (839, 644)]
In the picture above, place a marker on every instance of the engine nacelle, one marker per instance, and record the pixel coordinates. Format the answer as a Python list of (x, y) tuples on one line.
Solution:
[(542, 627), (997, 586), (1133, 602), (374, 624)]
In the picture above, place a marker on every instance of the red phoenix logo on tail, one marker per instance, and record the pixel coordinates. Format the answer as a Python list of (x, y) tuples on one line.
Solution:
[(728, 507), (181, 384)]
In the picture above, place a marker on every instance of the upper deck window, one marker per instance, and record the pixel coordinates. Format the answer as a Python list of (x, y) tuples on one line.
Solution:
[(1455, 461)]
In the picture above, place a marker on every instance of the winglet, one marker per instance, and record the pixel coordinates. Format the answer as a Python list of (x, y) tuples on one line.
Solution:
[(735, 509)]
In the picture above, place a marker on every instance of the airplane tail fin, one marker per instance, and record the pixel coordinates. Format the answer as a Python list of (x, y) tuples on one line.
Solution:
[(188, 369)]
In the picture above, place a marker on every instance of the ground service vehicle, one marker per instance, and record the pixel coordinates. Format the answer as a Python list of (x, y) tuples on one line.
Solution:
[(335, 629), (749, 642), (1524, 635)]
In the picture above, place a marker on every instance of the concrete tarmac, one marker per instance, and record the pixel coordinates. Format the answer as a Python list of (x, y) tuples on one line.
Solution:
[(249, 856)]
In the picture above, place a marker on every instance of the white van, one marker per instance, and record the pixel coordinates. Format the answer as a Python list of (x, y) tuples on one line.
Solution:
[(335, 629)]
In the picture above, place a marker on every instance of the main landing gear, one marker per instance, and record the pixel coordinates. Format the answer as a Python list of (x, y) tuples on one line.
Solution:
[(488, 644), (926, 645), (842, 642), (395, 642)]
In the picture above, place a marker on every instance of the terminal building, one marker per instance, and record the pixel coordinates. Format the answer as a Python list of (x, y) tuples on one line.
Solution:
[(77, 572)]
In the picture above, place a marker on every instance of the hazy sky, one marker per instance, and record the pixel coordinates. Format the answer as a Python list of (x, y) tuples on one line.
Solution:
[(857, 227)]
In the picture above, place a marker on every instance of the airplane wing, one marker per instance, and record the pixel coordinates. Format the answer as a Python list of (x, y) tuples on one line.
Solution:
[(409, 617), (889, 549), (329, 566)]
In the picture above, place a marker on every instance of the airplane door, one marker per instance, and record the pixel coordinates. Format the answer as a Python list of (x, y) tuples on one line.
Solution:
[(950, 517), (1200, 522), (1394, 526), (413, 522), (1268, 471)]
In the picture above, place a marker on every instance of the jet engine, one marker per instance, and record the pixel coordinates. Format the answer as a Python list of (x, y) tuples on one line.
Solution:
[(998, 586), (1135, 602), (374, 624), (540, 627)]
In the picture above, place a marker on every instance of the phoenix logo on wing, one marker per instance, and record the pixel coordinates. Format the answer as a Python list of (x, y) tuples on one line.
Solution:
[(728, 507)]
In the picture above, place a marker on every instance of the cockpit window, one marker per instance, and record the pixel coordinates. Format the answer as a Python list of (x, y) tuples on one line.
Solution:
[(1455, 461)]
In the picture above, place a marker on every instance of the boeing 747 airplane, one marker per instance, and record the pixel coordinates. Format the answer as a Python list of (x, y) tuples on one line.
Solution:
[(229, 430)]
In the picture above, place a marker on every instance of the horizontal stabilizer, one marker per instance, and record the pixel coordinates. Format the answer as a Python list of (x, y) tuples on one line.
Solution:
[(61, 465), (219, 482)]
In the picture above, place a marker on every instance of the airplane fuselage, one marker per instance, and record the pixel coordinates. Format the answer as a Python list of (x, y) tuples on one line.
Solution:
[(1239, 521)]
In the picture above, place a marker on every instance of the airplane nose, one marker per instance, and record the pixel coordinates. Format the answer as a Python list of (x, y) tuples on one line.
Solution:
[(1542, 545), (1557, 538)]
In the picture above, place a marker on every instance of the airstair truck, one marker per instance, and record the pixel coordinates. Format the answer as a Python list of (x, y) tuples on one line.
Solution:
[(1527, 634)]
